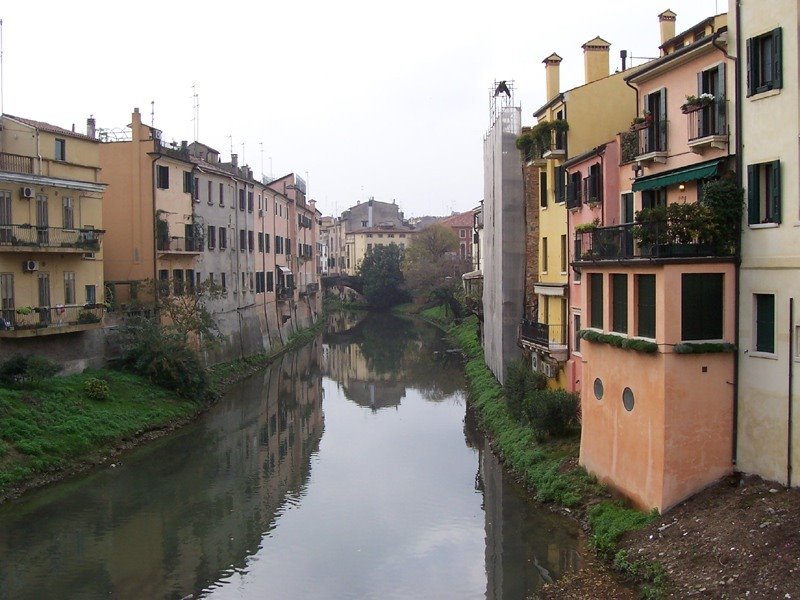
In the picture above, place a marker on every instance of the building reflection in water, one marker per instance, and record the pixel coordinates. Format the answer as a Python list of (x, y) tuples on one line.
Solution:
[(181, 512)]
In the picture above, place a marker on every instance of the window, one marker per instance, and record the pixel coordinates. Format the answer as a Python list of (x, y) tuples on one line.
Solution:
[(619, 303), (249, 201), (212, 237), (654, 198), (544, 255), (223, 279), (222, 194), (266, 242), (576, 321), (7, 296), (242, 240), (210, 188), (764, 193), (564, 253), (764, 322), (561, 187), (764, 70), (242, 201), (251, 282), (162, 177), (61, 149), (244, 283), (270, 281), (190, 281), (211, 278), (68, 212), (701, 306), (627, 208), (250, 241), (654, 137), (223, 238), (69, 287), (278, 244), (187, 182), (543, 189), (91, 294), (288, 246), (260, 282), (574, 190), (177, 281), (163, 282), (646, 306), (44, 289), (369, 247), (596, 300), (711, 119), (593, 185), (5, 217), (363, 223), (260, 242)]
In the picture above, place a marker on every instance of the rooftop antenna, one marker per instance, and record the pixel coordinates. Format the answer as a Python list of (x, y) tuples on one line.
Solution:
[(196, 111), (244, 162), (261, 151), (2, 70), (230, 137), (152, 113)]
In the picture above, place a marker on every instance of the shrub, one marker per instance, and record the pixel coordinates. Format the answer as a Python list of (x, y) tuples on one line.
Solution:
[(552, 413), (521, 381), (97, 389), (30, 368), (609, 520)]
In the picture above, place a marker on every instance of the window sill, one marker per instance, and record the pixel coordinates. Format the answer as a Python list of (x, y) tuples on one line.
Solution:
[(764, 225), (767, 355), (766, 94)]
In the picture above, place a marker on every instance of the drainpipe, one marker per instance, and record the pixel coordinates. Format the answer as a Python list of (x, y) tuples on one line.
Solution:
[(264, 264), (791, 396)]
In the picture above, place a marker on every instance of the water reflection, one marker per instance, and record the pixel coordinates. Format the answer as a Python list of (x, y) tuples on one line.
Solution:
[(180, 513)]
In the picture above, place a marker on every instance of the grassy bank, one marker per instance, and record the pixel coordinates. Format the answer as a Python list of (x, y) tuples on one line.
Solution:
[(52, 425), (549, 469)]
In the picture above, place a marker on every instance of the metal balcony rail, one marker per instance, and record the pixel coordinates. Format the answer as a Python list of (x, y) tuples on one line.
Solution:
[(652, 137), (16, 163), (179, 244), (52, 316), (50, 237), (542, 334), (707, 121)]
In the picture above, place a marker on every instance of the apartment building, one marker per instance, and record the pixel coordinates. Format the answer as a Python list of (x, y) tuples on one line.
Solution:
[(51, 231), (655, 262), (766, 35), (461, 225)]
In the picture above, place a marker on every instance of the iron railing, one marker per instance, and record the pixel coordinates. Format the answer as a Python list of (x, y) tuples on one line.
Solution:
[(641, 240), (179, 244), (653, 137), (707, 121), (87, 240), (16, 163), (542, 334), (51, 316)]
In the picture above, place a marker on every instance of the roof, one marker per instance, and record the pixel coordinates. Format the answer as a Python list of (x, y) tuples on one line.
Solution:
[(464, 219), (42, 126), (391, 229), (667, 58)]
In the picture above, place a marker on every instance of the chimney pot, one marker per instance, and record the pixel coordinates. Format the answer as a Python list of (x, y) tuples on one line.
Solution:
[(551, 69), (667, 21), (91, 127), (235, 160), (595, 59)]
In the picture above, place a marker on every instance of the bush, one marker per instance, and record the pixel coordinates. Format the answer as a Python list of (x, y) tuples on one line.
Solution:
[(552, 413), (97, 389), (30, 368), (521, 381)]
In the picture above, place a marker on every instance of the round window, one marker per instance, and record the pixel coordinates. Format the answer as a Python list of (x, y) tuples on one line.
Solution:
[(627, 399), (598, 389)]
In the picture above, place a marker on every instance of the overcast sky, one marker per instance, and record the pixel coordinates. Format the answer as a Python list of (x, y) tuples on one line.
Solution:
[(383, 99)]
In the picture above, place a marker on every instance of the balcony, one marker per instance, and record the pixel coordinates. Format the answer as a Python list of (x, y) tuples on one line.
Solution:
[(50, 320), (653, 240), (312, 288), (284, 294), (15, 163), (551, 338), (652, 142), (707, 127), (33, 238), (179, 245)]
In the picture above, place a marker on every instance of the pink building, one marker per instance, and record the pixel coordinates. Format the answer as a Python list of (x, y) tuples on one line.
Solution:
[(654, 281), (462, 225)]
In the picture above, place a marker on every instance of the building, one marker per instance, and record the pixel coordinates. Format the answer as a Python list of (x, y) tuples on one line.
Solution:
[(657, 278), (51, 232), (462, 225), (569, 124), (503, 232), (767, 438)]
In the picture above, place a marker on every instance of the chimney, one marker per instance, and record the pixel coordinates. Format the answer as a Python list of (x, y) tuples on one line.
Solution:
[(595, 59), (235, 160), (623, 55), (91, 127), (667, 21), (184, 145), (551, 68)]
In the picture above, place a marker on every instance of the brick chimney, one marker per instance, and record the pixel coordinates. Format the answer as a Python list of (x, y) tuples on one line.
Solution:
[(551, 70), (595, 59), (91, 127), (667, 21)]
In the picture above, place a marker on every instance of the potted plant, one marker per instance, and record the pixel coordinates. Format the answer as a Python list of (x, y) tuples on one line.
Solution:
[(24, 318), (694, 103), (642, 122)]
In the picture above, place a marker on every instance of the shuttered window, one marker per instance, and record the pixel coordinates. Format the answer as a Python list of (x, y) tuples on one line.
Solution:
[(619, 303), (596, 300), (764, 193), (765, 322), (701, 306), (765, 62), (646, 306)]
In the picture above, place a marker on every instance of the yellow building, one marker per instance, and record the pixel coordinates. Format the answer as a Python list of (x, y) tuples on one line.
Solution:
[(51, 229), (569, 124), (358, 243)]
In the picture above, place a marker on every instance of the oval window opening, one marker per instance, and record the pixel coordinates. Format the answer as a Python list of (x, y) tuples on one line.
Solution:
[(627, 399), (598, 389)]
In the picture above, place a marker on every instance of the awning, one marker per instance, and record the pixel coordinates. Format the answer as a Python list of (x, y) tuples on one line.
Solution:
[(472, 275), (661, 180), (285, 270)]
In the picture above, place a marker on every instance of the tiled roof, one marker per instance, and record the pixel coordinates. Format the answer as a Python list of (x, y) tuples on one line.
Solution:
[(41, 125), (460, 220)]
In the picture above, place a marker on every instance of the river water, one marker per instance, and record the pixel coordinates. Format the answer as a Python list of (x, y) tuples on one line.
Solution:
[(348, 469)]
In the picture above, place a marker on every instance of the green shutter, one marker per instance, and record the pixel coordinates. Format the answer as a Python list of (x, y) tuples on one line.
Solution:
[(775, 191), (662, 123), (752, 195), (777, 59), (751, 68), (721, 95), (765, 322)]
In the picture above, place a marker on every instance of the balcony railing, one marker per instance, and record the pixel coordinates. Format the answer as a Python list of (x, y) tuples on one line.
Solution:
[(25, 237), (179, 244), (619, 242), (542, 334), (707, 121), (16, 163), (50, 318), (652, 138)]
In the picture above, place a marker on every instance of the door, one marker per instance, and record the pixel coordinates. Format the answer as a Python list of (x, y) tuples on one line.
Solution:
[(5, 217), (42, 222), (44, 297), (6, 299)]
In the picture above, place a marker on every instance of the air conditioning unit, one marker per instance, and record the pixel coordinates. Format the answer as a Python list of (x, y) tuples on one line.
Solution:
[(88, 256), (550, 370), (26, 192), (29, 266), (535, 362)]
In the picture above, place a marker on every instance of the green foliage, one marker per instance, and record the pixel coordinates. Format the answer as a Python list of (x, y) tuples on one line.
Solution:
[(97, 389), (703, 348), (539, 138), (520, 383), (162, 355), (651, 574), (584, 227), (382, 277), (610, 520), (618, 341), (432, 268), (552, 413), (27, 368), (88, 317), (725, 201)]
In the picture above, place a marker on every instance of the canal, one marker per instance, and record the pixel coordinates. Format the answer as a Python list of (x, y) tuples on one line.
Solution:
[(348, 469)]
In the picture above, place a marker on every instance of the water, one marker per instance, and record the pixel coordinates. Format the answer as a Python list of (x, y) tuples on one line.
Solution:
[(348, 469)]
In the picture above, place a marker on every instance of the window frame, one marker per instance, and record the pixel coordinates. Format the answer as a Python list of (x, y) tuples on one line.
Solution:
[(162, 177), (764, 193), (756, 81), (757, 349)]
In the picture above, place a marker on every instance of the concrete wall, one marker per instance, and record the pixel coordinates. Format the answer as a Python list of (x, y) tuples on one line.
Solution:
[(504, 241)]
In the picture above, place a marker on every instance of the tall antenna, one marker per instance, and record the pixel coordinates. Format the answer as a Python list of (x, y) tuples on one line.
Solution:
[(196, 112), (261, 150), (152, 113), (230, 137), (2, 70), (243, 160)]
